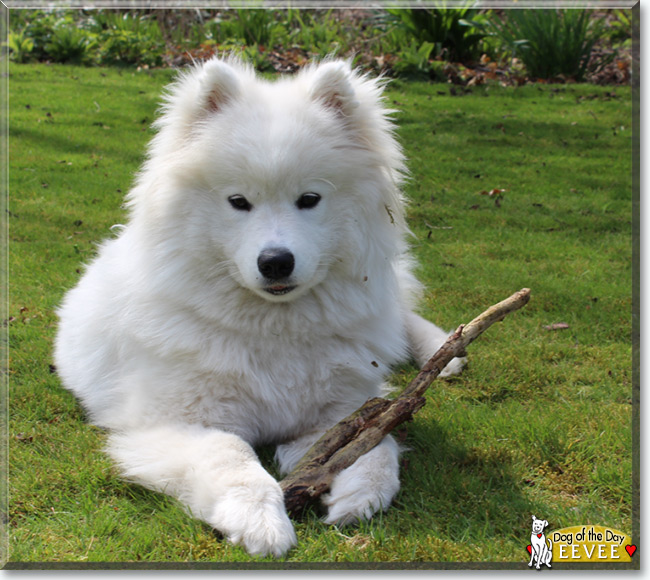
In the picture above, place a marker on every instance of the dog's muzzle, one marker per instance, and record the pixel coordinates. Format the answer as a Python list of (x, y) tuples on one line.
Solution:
[(276, 264)]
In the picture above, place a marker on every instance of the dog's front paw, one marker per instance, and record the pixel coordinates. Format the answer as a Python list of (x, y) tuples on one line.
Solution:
[(365, 487), (454, 367), (255, 518)]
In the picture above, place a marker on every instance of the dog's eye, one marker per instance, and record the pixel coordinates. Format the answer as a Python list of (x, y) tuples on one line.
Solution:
[(308, 200), (240, 203)]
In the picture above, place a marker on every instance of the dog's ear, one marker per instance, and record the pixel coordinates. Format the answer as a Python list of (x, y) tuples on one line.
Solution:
[(219, 85), (545, 523), (333, 87), (534, 518)]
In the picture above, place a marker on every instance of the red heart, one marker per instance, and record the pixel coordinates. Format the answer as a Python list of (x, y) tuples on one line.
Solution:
[(630, 549), (539, 535), (529, 548)]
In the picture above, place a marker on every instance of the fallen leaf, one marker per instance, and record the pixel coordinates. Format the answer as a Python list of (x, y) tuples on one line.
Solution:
[(557, 326), (493, 192)]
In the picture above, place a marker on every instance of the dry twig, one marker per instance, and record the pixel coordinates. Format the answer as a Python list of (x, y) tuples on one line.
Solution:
[(358, 433)]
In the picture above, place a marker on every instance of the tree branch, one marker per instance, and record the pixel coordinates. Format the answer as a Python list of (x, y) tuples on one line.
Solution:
[(358, 433)]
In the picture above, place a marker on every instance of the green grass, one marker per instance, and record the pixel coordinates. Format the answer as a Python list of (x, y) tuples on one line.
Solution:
[(539, 423)]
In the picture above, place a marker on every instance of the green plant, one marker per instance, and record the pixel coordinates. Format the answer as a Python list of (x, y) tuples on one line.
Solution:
[(70, 44), (248, 26), (320, 34), (413, 60), (190, 37), (257, 56), (551, 43), (38, 26), (259, 26), (127, 38), (456, 33), (619, 29), (20, 46)]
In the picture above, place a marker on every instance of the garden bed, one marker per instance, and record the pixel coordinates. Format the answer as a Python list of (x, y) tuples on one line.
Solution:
[(460, 46)]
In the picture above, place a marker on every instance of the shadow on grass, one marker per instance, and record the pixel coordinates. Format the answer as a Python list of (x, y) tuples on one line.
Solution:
[(469, 494)]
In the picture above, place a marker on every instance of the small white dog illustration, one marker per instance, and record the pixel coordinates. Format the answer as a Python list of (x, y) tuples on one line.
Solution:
[(540, 552)]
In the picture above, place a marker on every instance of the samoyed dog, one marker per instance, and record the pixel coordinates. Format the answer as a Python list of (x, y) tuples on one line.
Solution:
[(259, 292)]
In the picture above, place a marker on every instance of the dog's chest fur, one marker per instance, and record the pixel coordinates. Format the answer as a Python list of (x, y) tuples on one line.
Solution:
[(263, 389)]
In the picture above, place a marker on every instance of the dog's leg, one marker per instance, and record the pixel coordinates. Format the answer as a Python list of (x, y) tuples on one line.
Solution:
[(367, 486), (216, 475), (288, 454), (359, 491), (425, 338), (532, 554), (548, 556)]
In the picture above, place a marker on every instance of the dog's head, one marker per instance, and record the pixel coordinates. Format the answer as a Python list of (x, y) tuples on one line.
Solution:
[(274, 183), (539, 525)]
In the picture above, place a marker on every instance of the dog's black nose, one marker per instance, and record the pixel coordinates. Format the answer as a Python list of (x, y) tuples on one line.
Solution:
[(275, 263)]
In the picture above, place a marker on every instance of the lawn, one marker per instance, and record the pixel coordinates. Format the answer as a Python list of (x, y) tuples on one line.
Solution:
[(541, 421)]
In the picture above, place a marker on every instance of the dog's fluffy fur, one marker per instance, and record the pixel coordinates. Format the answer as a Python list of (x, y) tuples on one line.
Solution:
[(180, 344)]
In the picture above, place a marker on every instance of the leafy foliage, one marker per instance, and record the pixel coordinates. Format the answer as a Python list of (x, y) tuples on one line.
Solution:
[(414, 60), (20, 46), (456, 33), (320, 35), (620, 28), (551, 42), (251, 26), (127, 39), (406, 42), (70, 44)]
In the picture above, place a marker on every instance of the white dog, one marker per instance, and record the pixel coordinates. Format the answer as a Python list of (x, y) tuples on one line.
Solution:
[(259, 292), (540, 552)]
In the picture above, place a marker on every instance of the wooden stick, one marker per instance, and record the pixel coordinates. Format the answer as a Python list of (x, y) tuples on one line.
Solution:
[(358, 433)]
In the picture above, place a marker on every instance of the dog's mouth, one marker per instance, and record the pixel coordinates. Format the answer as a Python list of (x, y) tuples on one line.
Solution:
[(279, 289)]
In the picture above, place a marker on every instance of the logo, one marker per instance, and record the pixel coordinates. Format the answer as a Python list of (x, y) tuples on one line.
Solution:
[(586, 543), (540, 552)]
